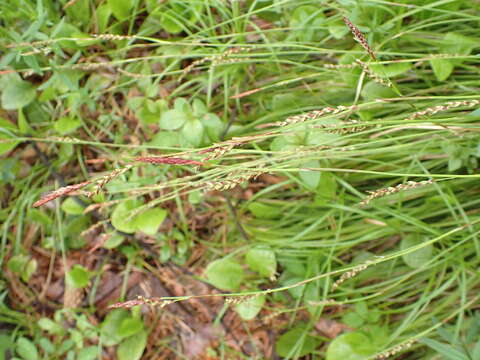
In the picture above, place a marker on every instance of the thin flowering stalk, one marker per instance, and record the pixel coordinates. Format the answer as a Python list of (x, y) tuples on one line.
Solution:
[(340, 66), (366, 69), (440, 108), (217, 151), (350, 274), (394, 189), (404, 346), (352, 127), (314, 114), (60, 192), (358, 36), (167, 160), (215, 60), (141, 300), (104, 180), (228, 184)]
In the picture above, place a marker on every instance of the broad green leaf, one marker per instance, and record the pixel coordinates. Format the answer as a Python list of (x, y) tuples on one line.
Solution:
[(165, 139), (306, 20), (80, 11), (78, 277), (458, 44), (280, 143), (311, 178), (23, 124), (66, 125), (50, 326), (338, 29), (476, 351), (353, 319), (103, 13), (454, 163), (361, 308), (170, 22), (442, 68), (419, 257), (71, 207), (17, 94), (262, 260), (296, 342), (149, 113), (373, 91), (6, 343), (193, 132), (326, 189), (120, 217), (350, 346), (225, 274), (109, 328), (199, 108), (88, 353), (114, 241), (26, 349), (7, 146), (213, 125), (130, 326), (250, 308), (29, 270), (133, 347), (149, 221), (121, 9), (172, 119), (7, 125), (45, 344), (17, 263), (390, 70), (264, 211)]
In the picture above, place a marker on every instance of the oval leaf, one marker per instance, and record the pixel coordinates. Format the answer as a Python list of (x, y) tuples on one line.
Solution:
[(250, 308), (262, 260), (120, 217), (351, 346), (150, 220), (26, 349), (78, 277), (132, 348), (172, 119), (416, 259), (17, 94), (225, 274), (296, 342)]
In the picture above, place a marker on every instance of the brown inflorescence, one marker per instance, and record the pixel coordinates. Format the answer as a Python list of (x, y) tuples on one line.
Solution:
[(395, 350), (104, 180), (439, 108), (357, 34), (59, 192), (350, 274), (314, 114), (352, 127), (140, 300), (228, 184), (394, 189)]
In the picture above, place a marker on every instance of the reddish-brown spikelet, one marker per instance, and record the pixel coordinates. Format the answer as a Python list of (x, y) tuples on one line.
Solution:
[(167, 160), (60, 192), (127, 304), (357, 34)]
